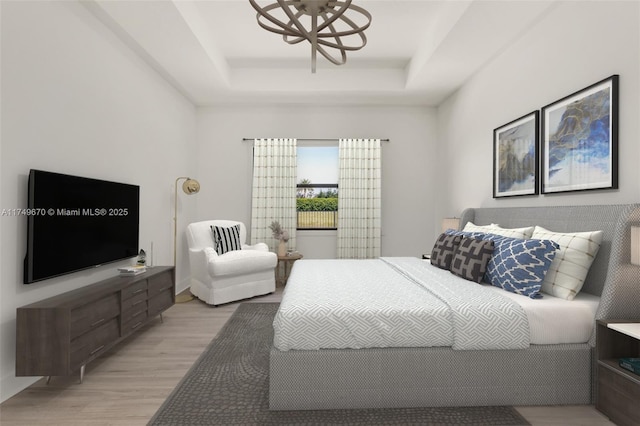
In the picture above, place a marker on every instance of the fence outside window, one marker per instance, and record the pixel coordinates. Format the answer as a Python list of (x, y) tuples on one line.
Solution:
[(317, 220), (317, 206)]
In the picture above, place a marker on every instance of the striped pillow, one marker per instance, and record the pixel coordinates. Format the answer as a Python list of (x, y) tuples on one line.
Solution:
[(226, 239), (572, 262)]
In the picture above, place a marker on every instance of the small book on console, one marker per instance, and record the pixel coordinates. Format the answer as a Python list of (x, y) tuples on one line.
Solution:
[(132, 270), (631, 364)]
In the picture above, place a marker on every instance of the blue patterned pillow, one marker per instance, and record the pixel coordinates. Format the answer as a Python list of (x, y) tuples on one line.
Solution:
[(519, 266)]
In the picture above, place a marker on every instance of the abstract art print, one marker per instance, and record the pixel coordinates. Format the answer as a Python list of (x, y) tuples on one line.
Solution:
[(580, 140), (515, 157)]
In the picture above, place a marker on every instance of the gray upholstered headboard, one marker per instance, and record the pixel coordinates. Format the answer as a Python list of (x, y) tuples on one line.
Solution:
[(611, 275)]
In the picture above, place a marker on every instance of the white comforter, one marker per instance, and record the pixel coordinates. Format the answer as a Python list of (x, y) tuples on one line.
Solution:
[(392, 302)]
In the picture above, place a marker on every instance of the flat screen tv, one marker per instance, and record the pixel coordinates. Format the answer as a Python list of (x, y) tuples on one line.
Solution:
[(76, 223)]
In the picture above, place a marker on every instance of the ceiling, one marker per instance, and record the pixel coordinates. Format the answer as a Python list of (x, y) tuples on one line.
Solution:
[(418, 52)]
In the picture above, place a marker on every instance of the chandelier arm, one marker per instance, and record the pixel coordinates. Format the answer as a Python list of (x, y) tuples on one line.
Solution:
[(355, 29), (314, 42), (336, 14), (298, 36), (339, 47), (263, 14)]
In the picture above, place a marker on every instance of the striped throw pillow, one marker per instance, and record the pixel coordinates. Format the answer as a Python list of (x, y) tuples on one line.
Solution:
[(226, 239)]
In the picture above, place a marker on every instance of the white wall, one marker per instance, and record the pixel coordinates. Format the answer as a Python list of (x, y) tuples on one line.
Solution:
[(573, 46), (75, 100), (408, 165)]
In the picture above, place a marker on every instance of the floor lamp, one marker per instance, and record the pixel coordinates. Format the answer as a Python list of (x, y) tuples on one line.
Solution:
[(189, 187)]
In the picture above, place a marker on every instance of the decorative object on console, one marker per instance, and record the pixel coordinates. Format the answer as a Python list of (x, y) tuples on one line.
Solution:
[(189, 187), (635, 245), (132, 270), (580, 140), (328, 21), (142, 258), (515, 157)]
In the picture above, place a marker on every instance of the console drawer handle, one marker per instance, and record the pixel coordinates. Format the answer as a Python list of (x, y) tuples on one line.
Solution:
[(98, 322), (138, 302), (139, 291), (137, 325), (137, 313), (96, 350)]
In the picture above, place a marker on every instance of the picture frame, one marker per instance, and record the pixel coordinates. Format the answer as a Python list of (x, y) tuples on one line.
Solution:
[(580, 140), (515, 157)]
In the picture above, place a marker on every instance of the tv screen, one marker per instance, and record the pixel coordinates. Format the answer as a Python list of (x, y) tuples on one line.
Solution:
[(76, 223)]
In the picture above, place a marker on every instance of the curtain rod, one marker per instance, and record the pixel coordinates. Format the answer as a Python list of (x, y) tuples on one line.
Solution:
[(311, 139)]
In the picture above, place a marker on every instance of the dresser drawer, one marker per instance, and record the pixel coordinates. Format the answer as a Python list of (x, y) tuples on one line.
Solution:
[(134, 307), (134, 323), (94, 342), (160, 283), (135, 301), (134, 289), (94, 314), (160, 302)]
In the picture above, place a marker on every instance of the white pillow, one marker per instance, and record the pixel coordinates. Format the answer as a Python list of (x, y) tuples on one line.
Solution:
[(521, 233), (569, 268)]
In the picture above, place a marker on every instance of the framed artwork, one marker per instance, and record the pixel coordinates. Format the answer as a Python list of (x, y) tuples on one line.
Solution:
[(580, 140), (515, 157)]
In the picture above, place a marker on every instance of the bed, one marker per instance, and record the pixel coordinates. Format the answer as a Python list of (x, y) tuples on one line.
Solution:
[(378, 371)]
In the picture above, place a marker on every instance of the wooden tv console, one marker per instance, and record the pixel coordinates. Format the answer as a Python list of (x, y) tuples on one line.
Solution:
[(58, 336)]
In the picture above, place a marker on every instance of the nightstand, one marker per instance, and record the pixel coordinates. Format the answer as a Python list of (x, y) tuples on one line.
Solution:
[(282, 274), (618, 393)]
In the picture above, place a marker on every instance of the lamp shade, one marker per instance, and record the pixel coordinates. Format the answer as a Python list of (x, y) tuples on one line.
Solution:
[(635, 245), (450, 223), (190, 186)]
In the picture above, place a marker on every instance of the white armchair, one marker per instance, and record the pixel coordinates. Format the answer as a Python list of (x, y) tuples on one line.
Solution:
[(235, 275)]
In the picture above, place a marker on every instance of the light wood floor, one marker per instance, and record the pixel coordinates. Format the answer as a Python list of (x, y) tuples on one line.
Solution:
[(127, 385)]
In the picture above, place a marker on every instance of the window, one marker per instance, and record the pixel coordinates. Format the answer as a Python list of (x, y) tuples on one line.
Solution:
[(317, 188)]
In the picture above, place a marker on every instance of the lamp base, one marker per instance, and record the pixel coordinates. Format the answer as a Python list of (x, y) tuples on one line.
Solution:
[(184, 297)]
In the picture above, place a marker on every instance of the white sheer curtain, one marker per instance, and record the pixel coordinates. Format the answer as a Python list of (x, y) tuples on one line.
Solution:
[(359, 199), (274, 190)]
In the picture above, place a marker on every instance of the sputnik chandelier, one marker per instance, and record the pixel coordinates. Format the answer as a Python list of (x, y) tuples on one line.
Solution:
[(327, 25)]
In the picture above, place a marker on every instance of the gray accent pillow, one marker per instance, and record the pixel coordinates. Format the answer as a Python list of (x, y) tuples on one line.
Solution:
[(443, 250), (471, 258)]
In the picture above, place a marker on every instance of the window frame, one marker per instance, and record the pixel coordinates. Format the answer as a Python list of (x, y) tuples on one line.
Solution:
[(317, 144)]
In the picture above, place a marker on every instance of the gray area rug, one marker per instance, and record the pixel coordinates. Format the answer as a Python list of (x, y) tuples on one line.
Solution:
[(229, 385)]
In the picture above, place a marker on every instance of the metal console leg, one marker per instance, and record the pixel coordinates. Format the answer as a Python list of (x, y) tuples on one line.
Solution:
[(82, 373)]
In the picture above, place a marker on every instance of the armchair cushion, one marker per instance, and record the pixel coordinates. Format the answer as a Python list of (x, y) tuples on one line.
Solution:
[(226, 238), (239, 262)]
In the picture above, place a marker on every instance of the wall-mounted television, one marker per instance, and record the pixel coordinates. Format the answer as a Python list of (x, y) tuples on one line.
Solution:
[(76, 223)]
